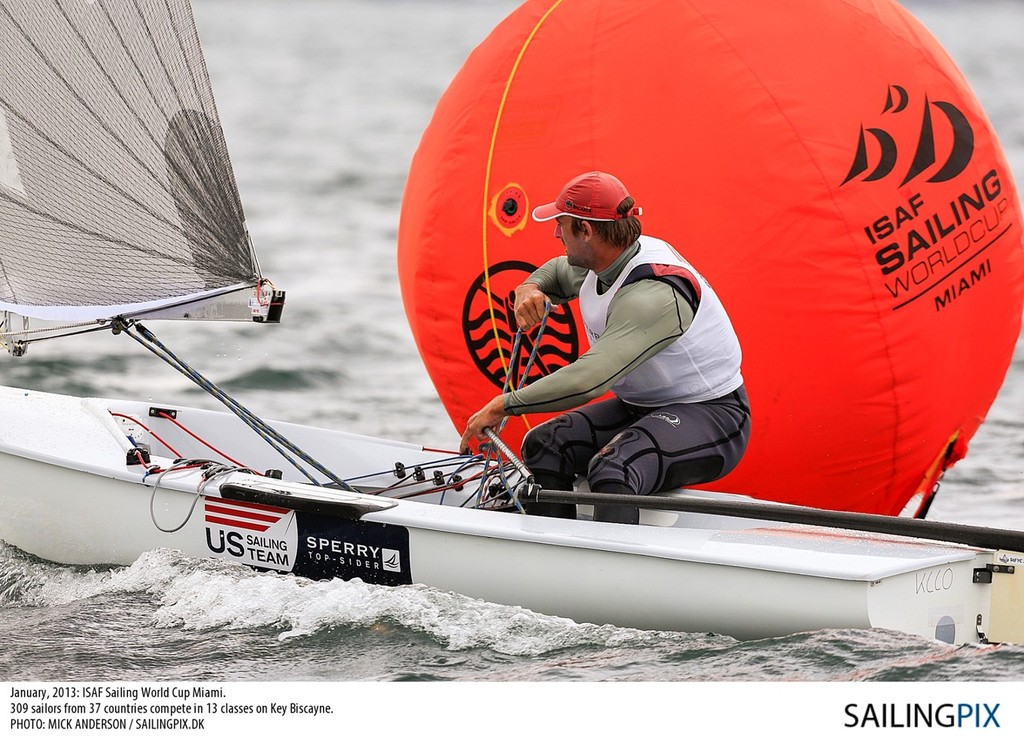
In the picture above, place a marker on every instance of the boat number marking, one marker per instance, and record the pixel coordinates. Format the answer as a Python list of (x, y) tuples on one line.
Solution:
[(933, 581)]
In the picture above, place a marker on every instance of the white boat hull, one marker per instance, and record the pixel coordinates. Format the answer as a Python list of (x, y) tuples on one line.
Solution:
[(68, 496)]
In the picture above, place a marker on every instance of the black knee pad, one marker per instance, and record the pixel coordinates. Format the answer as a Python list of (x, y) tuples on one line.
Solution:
[(541, 442), (609, 464)]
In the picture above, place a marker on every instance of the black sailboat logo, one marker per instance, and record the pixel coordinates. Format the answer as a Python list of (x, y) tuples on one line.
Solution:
[(925, 156)]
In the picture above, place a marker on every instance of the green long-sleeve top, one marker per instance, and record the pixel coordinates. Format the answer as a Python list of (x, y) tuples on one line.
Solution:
[(643, 318)]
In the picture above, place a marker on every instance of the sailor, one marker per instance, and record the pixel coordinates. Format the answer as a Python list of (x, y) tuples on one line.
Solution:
[(660, 340)]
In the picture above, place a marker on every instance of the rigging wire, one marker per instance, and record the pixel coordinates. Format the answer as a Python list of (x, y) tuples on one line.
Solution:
[(17, 347), (276, 440), (452, 481), (496, 459)]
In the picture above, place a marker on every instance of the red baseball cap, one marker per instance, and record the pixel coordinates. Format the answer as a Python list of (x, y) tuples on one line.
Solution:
[(590, 196)]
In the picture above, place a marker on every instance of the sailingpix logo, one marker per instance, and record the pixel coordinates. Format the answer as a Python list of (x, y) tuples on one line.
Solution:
[(921, 715), (489, 327), (933, 242)]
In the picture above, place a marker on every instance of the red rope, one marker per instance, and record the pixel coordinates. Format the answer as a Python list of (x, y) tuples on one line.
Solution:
[(213, 448), (173, 450), (149, 431)]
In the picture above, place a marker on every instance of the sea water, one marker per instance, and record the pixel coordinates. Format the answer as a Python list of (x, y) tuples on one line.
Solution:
[(323, 103)]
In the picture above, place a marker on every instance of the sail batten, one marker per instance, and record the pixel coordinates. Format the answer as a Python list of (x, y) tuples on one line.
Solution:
[(116, 190)]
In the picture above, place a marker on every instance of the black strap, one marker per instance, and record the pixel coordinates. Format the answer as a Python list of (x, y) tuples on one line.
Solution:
[(679, 278)]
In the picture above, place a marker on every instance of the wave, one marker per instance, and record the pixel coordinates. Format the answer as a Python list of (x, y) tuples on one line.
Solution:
[(269, 378), (350, 629), (205, 594)]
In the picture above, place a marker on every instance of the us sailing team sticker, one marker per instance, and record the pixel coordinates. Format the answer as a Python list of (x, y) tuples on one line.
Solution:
[(251, 533), (489, 327)]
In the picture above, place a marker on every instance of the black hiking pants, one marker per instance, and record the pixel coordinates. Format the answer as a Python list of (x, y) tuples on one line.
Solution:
[(628, 449)]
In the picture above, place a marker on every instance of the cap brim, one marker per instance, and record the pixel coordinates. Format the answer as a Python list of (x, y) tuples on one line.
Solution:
[(547, 212)]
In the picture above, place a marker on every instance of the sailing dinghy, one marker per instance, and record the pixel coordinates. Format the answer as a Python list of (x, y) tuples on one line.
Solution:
[(119, 205), (99, 481)]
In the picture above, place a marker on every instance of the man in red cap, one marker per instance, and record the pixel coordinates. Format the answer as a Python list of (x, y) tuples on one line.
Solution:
[(660, 340)]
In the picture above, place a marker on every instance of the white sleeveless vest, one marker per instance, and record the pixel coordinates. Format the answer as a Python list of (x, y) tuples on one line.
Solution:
[(702, 364)]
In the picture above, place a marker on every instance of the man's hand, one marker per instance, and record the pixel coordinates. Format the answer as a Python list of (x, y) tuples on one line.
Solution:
[(489, 416), (530, 306)]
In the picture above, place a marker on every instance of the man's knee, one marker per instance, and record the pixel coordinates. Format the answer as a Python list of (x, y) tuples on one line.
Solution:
[(611, 465), (543, 440), (546, 440)]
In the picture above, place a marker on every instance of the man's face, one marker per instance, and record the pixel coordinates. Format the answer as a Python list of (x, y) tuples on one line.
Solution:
[(577, 247)]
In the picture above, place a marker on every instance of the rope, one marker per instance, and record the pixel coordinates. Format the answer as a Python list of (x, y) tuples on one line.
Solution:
[(529, 362), (508, 453), (281, 444), (213, 470), (10, 342), (493, 466), (500, 447)]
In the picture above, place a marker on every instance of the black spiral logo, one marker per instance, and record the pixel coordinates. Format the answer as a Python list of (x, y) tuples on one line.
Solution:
[(490, 343)]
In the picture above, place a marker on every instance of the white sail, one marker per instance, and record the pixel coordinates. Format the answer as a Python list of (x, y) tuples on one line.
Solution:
[(116, 192)]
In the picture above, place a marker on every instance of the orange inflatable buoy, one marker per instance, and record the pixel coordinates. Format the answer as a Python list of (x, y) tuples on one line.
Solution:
[(826, 166)]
